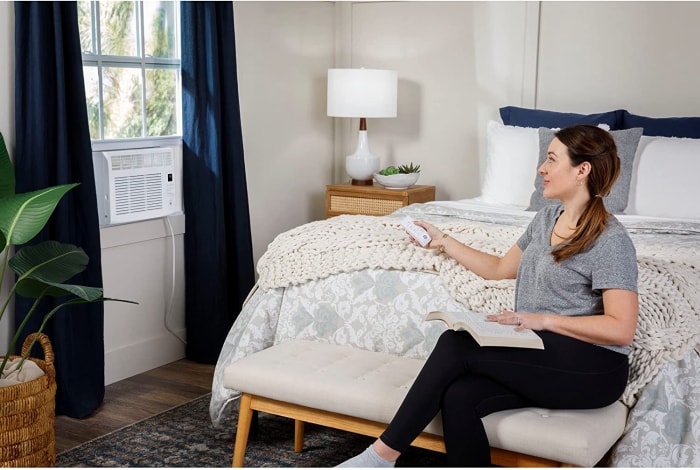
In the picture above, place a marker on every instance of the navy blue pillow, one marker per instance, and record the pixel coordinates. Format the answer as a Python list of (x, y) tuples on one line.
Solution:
[(525, 117), (663, 127)]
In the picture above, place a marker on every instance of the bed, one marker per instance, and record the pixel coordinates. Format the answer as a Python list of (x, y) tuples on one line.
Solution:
[(356, 280)]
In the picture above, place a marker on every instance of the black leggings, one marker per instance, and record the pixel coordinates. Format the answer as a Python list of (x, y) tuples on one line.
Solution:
[(467, 382)]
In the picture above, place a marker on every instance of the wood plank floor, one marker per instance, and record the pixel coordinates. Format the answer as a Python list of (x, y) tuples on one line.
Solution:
[(136, 398)]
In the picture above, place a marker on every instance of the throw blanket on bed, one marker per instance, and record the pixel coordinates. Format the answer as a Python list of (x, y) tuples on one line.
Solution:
[(669, 320)]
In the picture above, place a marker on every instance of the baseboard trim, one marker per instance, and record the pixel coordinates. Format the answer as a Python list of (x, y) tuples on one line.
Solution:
[(135, 358)]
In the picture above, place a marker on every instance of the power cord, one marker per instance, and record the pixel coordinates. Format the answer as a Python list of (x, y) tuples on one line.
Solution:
[(169, 308)]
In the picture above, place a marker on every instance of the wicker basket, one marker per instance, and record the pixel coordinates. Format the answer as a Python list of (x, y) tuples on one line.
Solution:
[(28, 414)]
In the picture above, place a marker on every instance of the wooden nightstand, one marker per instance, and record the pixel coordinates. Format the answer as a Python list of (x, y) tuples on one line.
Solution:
[(373, 200)]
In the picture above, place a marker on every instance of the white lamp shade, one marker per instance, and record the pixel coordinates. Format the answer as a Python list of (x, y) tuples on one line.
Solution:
[(362, 93)]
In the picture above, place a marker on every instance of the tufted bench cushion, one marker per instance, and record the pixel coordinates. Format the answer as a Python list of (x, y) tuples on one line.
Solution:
[(365, 385)]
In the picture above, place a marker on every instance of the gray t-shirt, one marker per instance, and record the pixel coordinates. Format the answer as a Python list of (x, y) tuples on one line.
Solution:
[(575, 286)]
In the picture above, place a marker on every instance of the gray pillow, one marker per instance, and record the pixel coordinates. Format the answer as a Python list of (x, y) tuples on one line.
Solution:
[(626, 140)]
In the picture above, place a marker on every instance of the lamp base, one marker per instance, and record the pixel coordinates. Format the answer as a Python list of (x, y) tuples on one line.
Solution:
[(362, 165), (355, 182)]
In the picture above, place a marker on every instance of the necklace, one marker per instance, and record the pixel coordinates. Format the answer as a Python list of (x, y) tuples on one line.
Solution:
[(559, 236)]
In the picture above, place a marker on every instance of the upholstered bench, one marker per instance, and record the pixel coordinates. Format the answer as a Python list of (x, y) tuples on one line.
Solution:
[(359, 391)]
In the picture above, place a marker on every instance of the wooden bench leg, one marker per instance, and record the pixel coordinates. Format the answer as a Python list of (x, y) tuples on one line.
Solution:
[(245, 416), (298, 435)]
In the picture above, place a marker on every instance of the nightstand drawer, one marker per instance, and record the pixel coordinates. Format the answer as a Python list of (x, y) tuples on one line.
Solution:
[(373, 200), (362, 205)]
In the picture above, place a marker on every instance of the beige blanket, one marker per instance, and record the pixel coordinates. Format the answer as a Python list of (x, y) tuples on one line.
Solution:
[(13, 376)]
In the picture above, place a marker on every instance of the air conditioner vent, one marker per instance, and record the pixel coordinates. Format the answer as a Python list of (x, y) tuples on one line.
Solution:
[(138, 193), (152, 159), (138, 184)]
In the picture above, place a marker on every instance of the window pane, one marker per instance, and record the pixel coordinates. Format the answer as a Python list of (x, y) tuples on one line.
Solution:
[(118, 28), (161, 111), (122, 103), (123, 43), (160, 24), (85, 26), (92, 94)]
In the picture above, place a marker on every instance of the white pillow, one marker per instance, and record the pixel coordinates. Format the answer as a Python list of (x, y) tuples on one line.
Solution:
[(511, 164), (664, 179)]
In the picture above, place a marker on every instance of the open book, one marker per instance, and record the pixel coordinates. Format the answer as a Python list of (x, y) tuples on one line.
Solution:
[(488, 333)]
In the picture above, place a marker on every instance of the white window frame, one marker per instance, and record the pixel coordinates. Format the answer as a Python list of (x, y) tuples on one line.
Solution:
[(143, 63)]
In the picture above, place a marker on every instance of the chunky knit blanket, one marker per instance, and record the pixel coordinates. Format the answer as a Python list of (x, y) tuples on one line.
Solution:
[(669, 321)]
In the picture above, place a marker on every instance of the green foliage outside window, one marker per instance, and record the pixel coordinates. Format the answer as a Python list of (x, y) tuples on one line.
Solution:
[(131, 66)]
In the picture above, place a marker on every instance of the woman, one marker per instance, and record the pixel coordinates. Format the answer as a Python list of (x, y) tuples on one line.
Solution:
[(576, 286)]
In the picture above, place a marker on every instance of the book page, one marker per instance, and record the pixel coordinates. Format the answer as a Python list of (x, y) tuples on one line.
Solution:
[(488, 332), (483, 327)]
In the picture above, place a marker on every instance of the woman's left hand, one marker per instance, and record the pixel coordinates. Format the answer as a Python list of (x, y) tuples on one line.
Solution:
[(521, 321)]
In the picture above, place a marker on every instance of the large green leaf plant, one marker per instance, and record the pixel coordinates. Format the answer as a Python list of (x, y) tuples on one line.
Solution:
[(42, 269)]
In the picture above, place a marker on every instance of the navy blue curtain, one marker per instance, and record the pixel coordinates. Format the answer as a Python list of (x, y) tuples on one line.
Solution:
[(53, 147), (218, 247)]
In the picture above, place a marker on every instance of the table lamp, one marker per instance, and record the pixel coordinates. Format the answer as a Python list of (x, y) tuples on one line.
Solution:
[(362, 93)]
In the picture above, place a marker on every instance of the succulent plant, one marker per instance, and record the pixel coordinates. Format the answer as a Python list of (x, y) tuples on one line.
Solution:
[(409, 168), (403, 169)]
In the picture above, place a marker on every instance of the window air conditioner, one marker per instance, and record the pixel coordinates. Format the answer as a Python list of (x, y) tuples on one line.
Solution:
[(138, 184)]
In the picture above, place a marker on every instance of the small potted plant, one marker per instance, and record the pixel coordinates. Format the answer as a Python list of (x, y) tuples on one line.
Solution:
[(400, 177), (41, 270)]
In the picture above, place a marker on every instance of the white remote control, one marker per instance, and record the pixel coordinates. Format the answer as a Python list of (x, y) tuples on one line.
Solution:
[(419, 233)]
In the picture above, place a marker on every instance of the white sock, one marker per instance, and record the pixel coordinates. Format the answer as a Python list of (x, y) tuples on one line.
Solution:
[(367, 459)]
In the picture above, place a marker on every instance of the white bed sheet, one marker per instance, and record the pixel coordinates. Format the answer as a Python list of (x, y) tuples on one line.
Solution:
[(479, 204)]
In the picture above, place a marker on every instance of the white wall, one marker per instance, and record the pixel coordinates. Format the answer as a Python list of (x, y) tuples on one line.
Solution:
[(641, 56), (455, 67), (284, 50), (7, 67), (7, 127), (434, 59), (137, 265)]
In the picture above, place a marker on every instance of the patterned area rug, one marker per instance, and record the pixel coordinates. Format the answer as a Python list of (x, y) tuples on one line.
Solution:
[(184, 437)]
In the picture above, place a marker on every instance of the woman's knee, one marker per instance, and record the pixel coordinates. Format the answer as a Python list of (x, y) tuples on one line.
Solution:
[(453, 342), (448, 358)]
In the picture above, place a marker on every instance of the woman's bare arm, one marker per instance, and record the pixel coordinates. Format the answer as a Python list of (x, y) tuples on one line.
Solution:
[(482, 264), (616, 326)]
